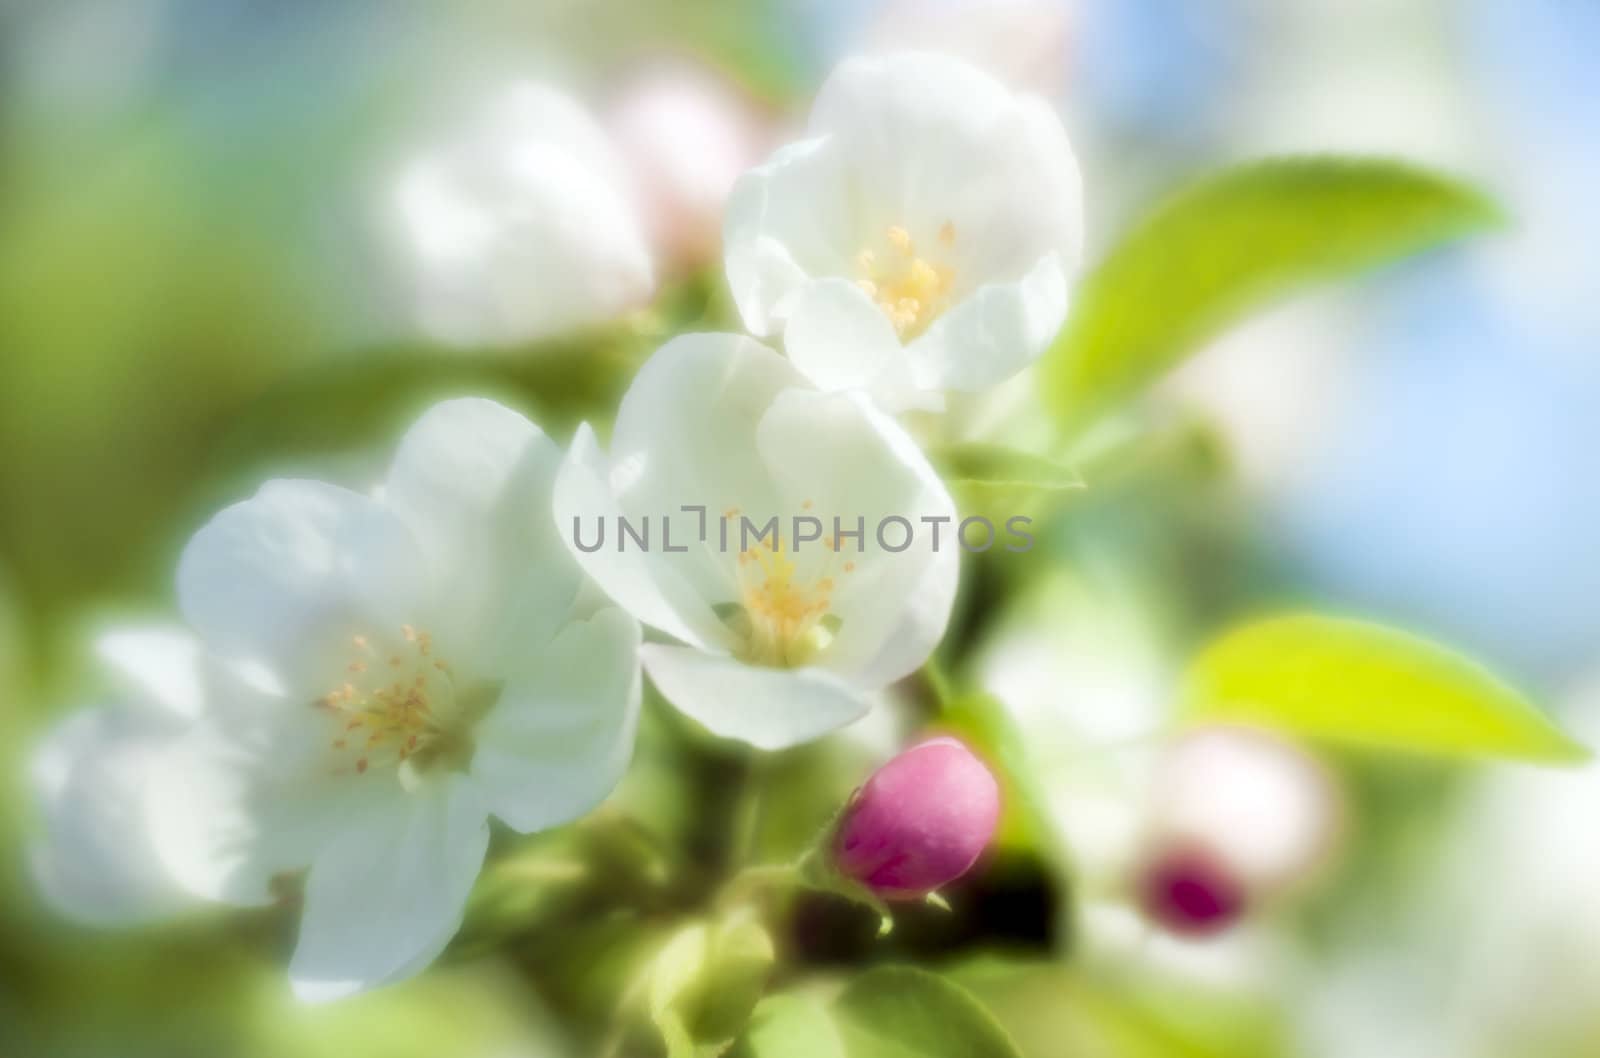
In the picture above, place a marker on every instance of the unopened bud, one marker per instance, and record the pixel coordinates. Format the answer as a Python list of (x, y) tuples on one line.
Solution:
[(920, 822)]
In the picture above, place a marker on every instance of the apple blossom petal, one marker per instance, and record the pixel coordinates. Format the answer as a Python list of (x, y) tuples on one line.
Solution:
[(786, 220), (246, 799), (995, 332), (951, 155), (839, 457), (841, 340), (95, 862), (561, 734), (769, 708), (913, 127), (160, 663), (682, 437), (473, 480), (653, 592), (924, 616), (388, 894), (284, 578)]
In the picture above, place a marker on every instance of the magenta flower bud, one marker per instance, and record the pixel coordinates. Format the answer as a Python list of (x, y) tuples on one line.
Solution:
[(1188, 891), (920, 822)]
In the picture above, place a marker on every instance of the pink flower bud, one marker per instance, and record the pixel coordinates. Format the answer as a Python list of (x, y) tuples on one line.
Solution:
[(920, 822), (1187, 891)]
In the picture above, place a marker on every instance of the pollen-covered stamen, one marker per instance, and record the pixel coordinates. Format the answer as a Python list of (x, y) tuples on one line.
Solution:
[(910, 289), (396, 701), (786, 596)]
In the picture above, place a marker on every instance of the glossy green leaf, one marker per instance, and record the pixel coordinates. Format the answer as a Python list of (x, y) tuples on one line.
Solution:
[(901, 1012), (1230, 243), (1364, 683)]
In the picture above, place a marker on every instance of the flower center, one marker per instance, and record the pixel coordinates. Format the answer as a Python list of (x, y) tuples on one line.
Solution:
[(909, 288), (784, 616), (396, 707)]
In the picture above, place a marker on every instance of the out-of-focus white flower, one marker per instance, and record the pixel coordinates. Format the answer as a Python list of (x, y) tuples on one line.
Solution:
[(784, 637), (1082, 664), (920, 240), (410, 666), (1263, 809), (95, 861), (685, 135), (1021, 42), (519, 225)]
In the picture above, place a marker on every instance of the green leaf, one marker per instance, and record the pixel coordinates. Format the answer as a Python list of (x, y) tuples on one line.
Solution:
[(901, 1012), (996, 465), (792, 1026), (1364, 683), (1000, 484), (1228, 244), (1052, 1010)]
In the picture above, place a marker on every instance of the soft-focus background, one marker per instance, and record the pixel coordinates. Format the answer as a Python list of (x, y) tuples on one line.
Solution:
[(192, 295)]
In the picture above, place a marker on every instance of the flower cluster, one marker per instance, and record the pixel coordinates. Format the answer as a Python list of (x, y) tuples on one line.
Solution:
[(363, 679)]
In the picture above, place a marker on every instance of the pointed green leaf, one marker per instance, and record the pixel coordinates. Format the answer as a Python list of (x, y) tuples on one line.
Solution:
[(1360, 682), (1228, 244)]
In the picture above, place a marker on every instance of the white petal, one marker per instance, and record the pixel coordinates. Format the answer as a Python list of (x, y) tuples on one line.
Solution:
[(935, 142), (768, 708), (924, 616), (95, 862), (159, 662), (684, 426), (285, 578), (841, 340), (388, 895), (995, 332), (786, 220), (520, 227), (473, 479), (684, 436), (561, 734), (247, 798), (650, 591), (848, 460)]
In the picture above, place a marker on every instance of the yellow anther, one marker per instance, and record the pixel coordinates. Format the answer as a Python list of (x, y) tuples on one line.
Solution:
[(409, 709), (908, 289)]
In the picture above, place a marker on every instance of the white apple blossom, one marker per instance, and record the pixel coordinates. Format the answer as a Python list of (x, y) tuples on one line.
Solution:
[(95, 861), (1264, 808), (409, 666), (781, 640), (919, 240), (518, 225)]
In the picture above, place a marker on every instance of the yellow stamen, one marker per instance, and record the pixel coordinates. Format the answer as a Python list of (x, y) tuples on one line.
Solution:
[(909, 289)]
